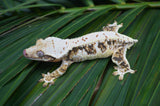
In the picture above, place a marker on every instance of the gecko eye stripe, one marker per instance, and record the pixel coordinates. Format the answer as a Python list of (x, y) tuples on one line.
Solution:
[(40, 53)]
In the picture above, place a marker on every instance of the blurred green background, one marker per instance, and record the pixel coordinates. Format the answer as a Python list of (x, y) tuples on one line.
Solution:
[(22, 22)]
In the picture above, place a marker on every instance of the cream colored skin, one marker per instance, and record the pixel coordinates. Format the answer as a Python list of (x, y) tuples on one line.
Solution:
[(91, 46)]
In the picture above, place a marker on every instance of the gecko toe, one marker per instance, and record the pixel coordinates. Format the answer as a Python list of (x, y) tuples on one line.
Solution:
[(115, 67), (121, 77), (52, 83), (133, 71), (41, 80), (43, 75), (45, 84), (115, 73)]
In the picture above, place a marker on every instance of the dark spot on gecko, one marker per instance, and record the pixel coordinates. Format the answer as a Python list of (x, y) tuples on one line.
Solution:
[(75, 49), (62, 69), (89, 49), (55, 74), (123, 64), (121, 50), (115, 46), (53, 44), (109, 28), (69, 56), (102, 47), (81, 48), (109, 42), (118, 53), (114, 41), (73, 52), (90, 46), (83, 39), (118, 59), (120, 46), (117, 34), (123, 43)]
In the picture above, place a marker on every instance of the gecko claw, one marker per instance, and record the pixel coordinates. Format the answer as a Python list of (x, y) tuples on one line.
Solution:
[(115, 67), (132, 71), (52, 83), (41, 80), (121, 77), (121, 24), (115, 73), (115, 22), (45, 84), (43, 75)]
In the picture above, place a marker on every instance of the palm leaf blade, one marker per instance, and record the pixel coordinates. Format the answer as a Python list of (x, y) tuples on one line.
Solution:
[(19, 77)]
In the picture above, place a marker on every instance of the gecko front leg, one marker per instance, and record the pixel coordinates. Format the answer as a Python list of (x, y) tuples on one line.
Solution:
[(50, 77), (123, 67)]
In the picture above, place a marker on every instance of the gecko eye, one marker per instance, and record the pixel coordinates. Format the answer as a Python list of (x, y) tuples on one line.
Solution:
[(40, 53)]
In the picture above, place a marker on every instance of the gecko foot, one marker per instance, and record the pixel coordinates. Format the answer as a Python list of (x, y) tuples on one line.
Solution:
[(47, 79), (121, 72), (112, 27)]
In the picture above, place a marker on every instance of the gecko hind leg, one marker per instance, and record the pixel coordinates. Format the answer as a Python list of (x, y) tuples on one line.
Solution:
[(123, 67), (50, 78), (112, 27)]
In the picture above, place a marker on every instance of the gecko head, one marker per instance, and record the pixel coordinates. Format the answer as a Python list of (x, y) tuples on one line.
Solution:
[(44, 50)]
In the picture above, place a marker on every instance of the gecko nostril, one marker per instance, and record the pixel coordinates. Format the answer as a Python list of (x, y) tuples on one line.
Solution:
[(24, 53)]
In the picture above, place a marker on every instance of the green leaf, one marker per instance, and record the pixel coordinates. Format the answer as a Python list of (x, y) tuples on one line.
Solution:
[(85, 83), (13, 85), (155, 97), (119, 1)]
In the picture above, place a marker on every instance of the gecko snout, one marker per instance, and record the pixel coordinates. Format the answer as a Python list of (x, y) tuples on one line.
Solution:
[(24, 53)]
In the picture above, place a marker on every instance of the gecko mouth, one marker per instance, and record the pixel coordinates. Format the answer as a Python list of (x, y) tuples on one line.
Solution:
[(49, 58), (42, 58), (24, 53)]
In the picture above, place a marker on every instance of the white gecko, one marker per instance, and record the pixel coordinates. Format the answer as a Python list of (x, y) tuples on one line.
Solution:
[(91, 46)]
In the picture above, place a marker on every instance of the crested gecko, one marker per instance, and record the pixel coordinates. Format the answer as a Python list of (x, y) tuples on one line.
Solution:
[(100, 44)]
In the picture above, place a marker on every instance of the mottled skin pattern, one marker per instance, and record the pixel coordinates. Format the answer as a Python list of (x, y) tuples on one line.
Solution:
[(95, 45)]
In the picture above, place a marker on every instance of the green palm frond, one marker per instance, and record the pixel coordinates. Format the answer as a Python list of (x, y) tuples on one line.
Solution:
[(84, 83)]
